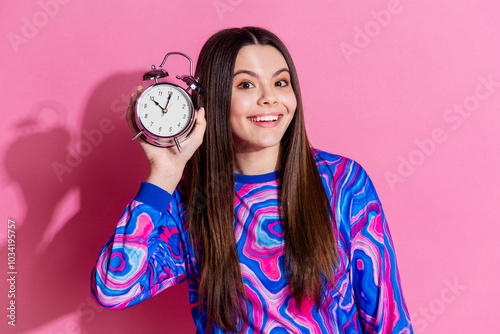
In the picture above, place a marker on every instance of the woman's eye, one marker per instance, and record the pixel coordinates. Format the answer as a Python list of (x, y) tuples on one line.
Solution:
[(281, 83), (246, 85)]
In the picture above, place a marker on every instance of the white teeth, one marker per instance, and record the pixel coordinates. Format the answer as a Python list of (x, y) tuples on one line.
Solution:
[(268, 118)]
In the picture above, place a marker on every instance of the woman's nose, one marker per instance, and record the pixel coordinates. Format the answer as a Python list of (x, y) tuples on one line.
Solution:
[(267, 96)]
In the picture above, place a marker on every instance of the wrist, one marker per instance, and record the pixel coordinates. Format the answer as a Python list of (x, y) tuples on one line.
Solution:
[(167, 180)]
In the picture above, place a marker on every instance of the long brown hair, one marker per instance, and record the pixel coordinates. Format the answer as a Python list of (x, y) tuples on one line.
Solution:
[(310, 246)]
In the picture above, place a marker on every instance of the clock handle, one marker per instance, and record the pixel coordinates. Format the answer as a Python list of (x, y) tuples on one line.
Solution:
[(190, 80), (181, 54)]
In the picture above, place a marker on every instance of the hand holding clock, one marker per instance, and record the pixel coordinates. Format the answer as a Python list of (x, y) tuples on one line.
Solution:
[(167, 164)]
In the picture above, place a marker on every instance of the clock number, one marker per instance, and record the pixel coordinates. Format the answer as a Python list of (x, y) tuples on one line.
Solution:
[(159, 129), (178, 97), (178, 125), (145, 116), (170, 129), (183, 106), (145, 105), (151, 98), (151, 124), (160, 93), (184, 116)]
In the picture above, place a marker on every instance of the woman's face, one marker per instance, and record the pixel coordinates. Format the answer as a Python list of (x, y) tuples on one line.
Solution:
[(263, 102)]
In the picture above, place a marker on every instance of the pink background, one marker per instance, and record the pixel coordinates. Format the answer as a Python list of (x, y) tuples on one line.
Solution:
[(400, 86)]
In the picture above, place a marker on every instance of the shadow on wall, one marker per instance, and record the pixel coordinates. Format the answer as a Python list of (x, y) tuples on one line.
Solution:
[(75, 187)]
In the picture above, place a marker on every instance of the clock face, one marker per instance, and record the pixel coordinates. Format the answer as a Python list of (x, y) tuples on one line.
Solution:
[(164, 110)]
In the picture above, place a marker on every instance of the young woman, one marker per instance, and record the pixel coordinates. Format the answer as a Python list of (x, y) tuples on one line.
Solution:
[(272, 235)]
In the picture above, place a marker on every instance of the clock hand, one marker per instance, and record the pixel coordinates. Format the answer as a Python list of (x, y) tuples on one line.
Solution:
[(168, 100), (157, 104)]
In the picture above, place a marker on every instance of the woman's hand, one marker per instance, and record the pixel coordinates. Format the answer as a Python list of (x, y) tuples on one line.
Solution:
[(167, 164)]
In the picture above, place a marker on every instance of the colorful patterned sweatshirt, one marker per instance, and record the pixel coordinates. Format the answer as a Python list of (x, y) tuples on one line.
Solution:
[(151, 251)]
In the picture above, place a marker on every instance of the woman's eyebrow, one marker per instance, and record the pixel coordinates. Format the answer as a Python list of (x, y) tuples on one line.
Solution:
[(253, 74), (278, 72)]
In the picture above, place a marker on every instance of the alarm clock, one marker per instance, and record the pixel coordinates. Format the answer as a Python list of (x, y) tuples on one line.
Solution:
[(164, 112)]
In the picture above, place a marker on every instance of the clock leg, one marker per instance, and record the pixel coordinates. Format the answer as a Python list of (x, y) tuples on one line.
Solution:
[(178, 144), (138, 135)]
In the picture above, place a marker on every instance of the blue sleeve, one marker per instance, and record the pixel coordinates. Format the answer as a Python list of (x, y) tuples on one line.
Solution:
[(147, 252), (375, 277)]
